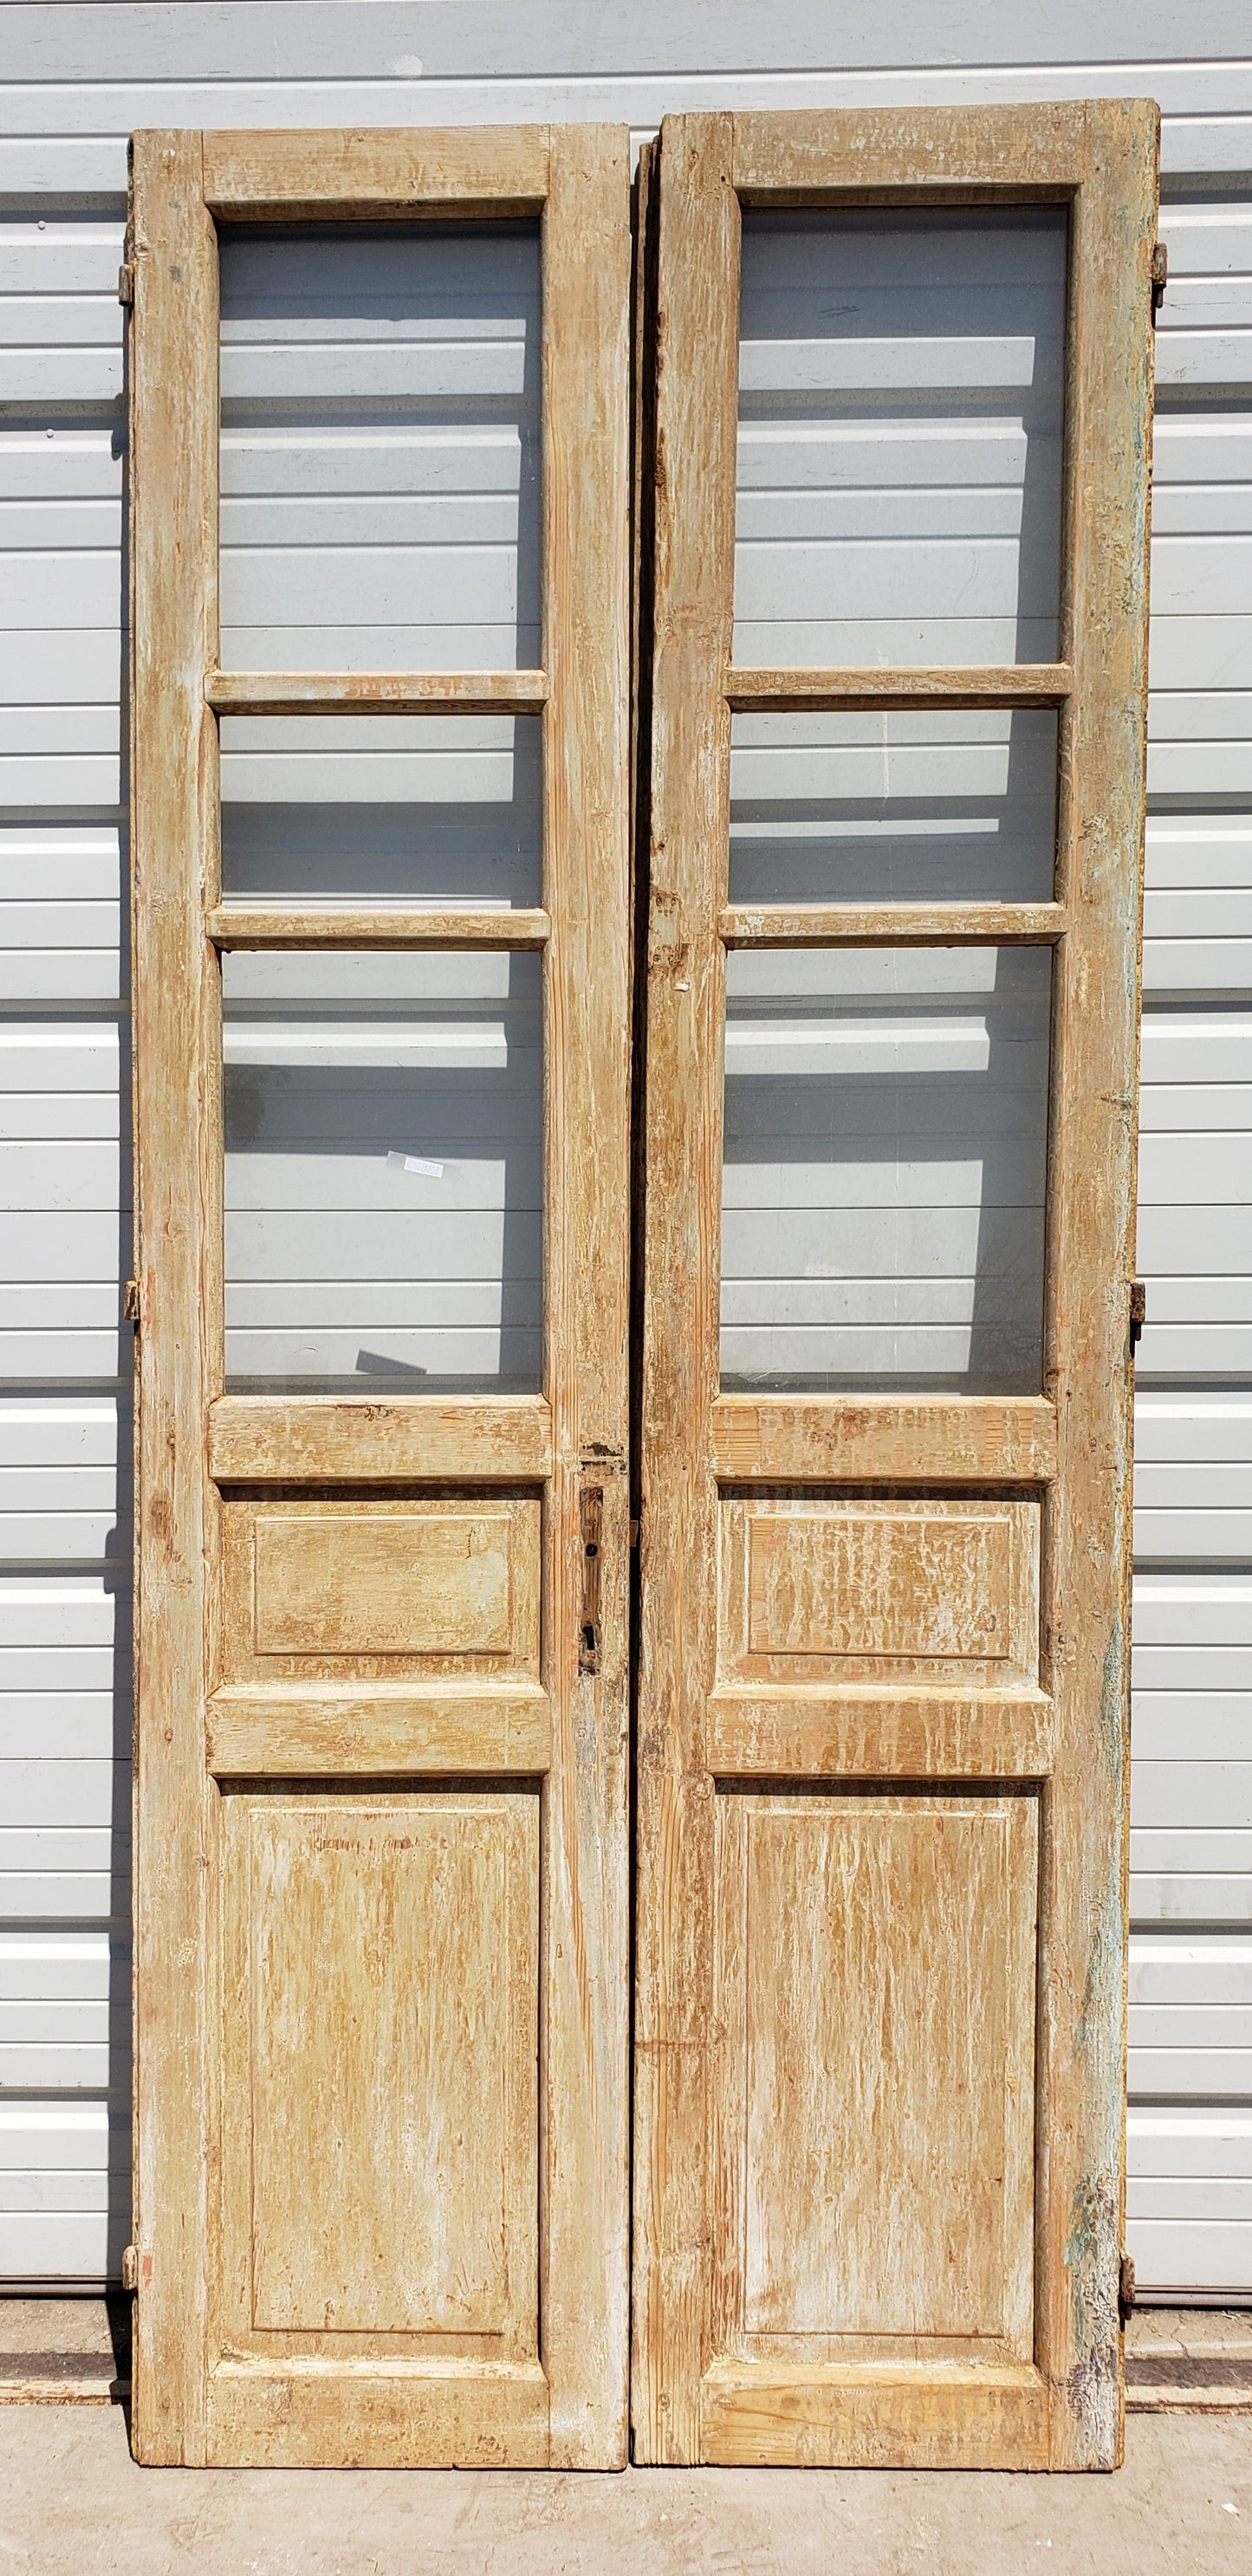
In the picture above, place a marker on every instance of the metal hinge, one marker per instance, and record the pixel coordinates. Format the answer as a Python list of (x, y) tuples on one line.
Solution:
[(130, 1301), (1138, 1311), (126, 283), (130, 2268), (1126, 2284), (1160, 276)]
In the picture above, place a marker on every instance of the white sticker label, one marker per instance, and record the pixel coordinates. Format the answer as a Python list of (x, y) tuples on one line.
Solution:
[(415, 1163)]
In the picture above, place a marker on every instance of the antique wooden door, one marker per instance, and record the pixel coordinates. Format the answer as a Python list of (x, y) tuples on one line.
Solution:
[(380, 851), (896, 817)]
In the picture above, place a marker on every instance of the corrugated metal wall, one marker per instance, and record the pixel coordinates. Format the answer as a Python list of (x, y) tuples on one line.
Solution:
[(73, 82)]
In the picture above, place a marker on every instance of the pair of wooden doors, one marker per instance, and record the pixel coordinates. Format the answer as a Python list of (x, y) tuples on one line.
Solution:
[(424, 1778)]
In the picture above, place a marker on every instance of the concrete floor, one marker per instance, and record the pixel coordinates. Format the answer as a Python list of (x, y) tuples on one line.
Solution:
[(72, 2503)]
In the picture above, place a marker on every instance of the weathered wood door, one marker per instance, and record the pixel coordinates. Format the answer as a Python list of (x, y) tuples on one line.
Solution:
[(896, 816), (380, 849)]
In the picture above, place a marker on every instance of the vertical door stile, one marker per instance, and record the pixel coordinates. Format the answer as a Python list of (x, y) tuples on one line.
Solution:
[(173, 385), (698, 218), (1092, 1254), (586, 303)]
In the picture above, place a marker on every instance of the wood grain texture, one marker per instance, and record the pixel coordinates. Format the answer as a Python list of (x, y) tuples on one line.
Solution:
[(1091, 1265), (824, 1731), (832, 1665), (173, 389), (698, 255), (865, 1589), (438, 1584), (586, 482), (875, 1989), (997, 684), (376, 693), (967, 156), (267, 1439), (239, 925), (779, 2416), (382, 1985), (322, 173), (932, 1439), (316, 1730), (820, 925)]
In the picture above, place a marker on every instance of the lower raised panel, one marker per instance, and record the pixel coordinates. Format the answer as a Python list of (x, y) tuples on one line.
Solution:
[(380, 2159), (875, 2011)]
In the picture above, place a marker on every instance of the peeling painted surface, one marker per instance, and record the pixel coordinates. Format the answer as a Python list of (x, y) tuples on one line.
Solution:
[(1091, 2258)]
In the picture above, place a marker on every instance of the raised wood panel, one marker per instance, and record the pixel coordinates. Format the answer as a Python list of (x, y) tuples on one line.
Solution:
[(381, 2022), (876, 1987), (332, 1589), (427, 1583), (880, 1591)]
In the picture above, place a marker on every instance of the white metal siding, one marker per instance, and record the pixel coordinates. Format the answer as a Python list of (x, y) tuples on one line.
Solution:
[(73, 82)]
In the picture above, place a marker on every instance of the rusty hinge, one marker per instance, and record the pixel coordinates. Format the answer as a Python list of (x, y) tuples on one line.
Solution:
[(126, 283), (1138, 1311), (130, 2268), (1160, 276), (1126, 2284), (130, 1301), (590, 1525)]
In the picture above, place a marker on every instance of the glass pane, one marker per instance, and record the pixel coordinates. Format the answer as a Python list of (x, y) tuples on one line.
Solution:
[(883, 1178), (893, 806), (900, 429), (384, 1148), (380, 448), (382, 810)]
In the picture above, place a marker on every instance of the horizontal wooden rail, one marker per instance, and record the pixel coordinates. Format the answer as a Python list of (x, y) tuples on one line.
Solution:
[(814, 925), (884, 1439), (376, 693), (990, 684), (480, 1440), (239, 925), (355, 172), (354, 1729), (860, 1733)]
